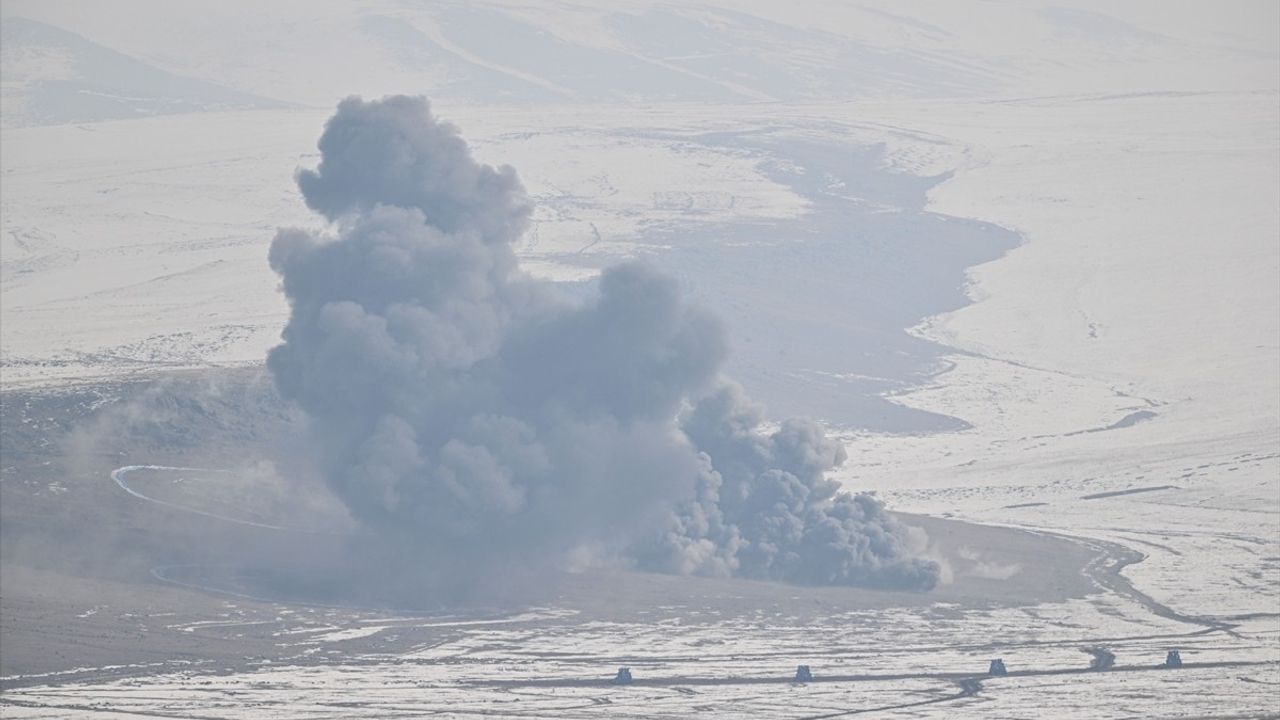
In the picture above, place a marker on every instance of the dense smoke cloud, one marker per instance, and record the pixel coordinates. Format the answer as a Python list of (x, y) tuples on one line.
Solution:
[(479, 420), (765, 508)]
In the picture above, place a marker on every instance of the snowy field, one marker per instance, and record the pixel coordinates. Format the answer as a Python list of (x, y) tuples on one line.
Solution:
[(881, 662), (1031, 277)]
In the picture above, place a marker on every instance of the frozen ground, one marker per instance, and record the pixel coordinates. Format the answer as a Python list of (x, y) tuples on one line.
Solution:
[(1147, 365), (206, 638), (1104, 371), (863, 662)]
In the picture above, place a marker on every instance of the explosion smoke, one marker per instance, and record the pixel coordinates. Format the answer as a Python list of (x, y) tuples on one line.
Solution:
[(478, 420)]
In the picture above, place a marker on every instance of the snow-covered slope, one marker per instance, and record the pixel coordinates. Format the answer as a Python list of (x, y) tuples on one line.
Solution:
[(639, 51), (1120, 367), (52, 76)]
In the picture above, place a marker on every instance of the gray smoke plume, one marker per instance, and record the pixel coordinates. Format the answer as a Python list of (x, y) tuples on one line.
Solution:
[(477, 420), (765, 508)]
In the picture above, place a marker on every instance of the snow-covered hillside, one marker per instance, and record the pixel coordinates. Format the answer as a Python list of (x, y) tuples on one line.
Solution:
[(52, 76), (535, 52)]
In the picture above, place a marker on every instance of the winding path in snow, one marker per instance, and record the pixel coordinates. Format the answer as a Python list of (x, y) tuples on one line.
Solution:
[(119, 475)]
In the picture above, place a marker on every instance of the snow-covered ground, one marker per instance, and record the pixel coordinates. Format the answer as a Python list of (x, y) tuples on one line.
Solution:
[(127, 245), (1112, 172), (908, 660), (1130, 344)]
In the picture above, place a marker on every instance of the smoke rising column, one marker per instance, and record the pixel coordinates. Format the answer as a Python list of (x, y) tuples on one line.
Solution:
[(476, 421)]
